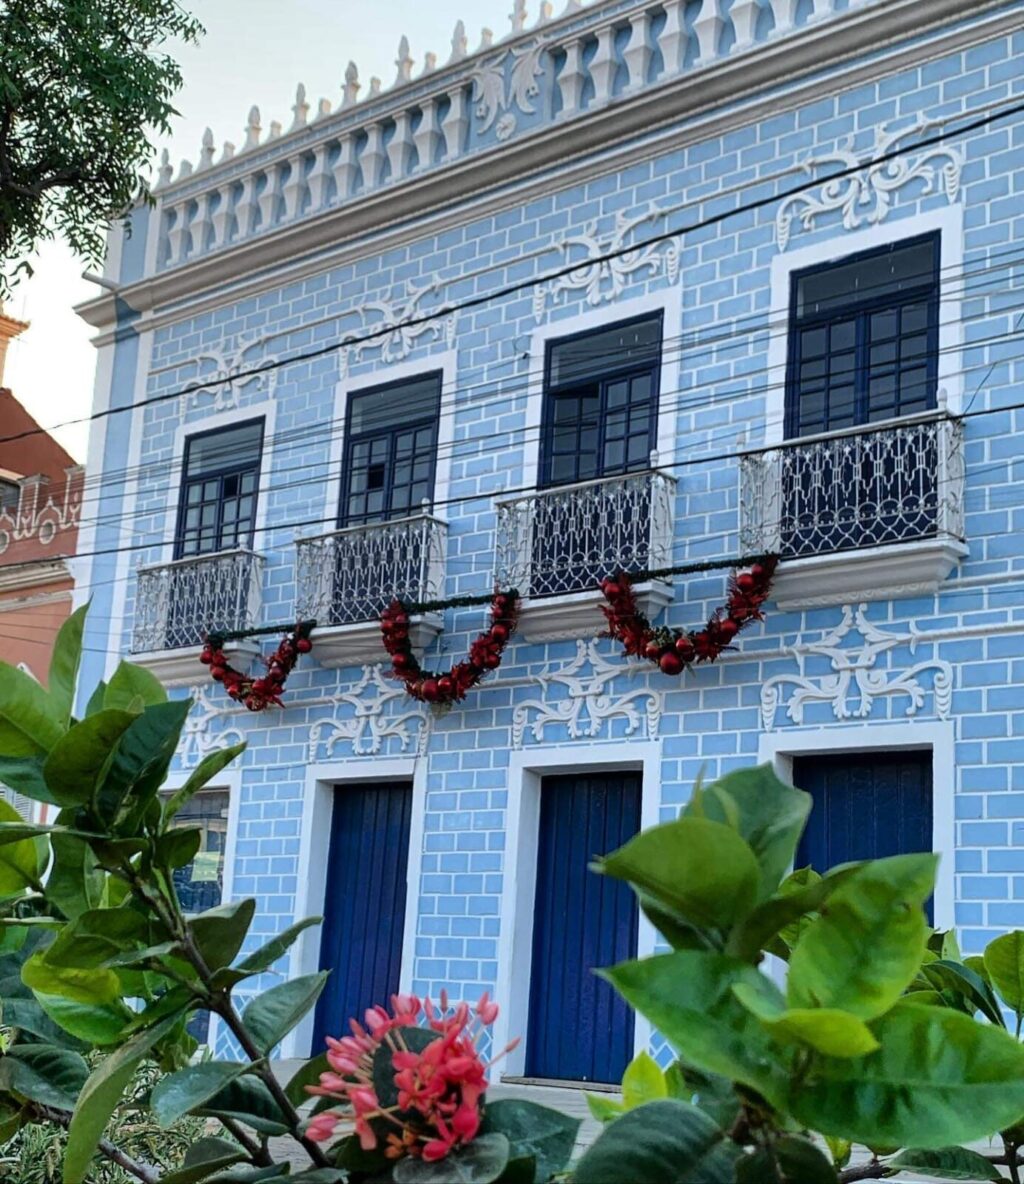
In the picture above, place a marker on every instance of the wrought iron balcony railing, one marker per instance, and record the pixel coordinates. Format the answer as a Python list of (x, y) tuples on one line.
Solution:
[(563, 540), (177, 604), (349, 575), (859, 488)]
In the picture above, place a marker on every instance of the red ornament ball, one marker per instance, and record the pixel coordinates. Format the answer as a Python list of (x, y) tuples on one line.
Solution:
[(670, 663)]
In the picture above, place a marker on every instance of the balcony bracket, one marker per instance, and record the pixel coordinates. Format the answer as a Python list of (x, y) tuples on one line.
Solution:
[(578, 614)]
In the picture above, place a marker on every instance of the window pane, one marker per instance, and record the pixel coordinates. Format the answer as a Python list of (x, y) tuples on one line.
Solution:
[(395, 405), (199, 883), (596, 353), (230, 448), (869, 277)]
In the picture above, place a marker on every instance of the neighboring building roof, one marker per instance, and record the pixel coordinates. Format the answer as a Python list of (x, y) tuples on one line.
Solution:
[(29, 454)]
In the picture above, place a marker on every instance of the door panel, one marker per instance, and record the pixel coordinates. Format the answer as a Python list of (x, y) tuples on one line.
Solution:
[(579, 1029), (364, 909)]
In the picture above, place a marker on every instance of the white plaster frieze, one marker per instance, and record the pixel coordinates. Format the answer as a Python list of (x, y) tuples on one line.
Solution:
[(495, 96), (38, 515), (395, 337), (856, 683), (365, 719), (231, 374), (601, 279), (865, 196), (197, 741), (590, 705)]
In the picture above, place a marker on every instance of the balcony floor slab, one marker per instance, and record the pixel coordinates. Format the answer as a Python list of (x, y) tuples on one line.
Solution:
[(578, 614), (361, 643), (182, 668)]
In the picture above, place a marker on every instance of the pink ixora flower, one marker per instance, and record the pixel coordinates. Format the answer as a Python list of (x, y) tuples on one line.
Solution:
[(438, 1086)]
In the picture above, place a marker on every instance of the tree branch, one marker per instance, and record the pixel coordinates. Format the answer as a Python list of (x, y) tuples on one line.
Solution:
[(258, 1153), (875, 1170), (141, 1171)]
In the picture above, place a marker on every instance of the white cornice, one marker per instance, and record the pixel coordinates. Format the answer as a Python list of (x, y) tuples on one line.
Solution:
[(32, 576), (560, 155)]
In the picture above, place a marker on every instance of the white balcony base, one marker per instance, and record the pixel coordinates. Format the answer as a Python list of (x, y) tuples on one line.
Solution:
[(876, 573), (182, 668), (578, 614), (360, 643)]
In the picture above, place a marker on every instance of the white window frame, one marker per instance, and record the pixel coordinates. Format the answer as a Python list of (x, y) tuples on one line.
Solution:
[(527, 768)]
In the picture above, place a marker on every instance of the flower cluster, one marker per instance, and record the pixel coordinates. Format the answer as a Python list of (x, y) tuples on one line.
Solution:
[(673, 649), (437, 1078), (258, 693), (484, 654)]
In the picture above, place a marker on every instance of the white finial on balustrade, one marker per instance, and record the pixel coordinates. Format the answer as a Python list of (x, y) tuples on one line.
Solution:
[(546, 11), (459, 44), (184, 169), (228, 151), (300, 110), (429, 63), (486, 39), (654, 458), (275, 130), (404, 62), (351, 89), (166, 172), (252, 129), (206, 152), (375, 85), (517, 17), (323, 109)]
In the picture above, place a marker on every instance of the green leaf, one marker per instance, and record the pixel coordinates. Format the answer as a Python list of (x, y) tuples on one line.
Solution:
[(83, 986), (96, 936), (19, 861), (308, 1073), (272, 1015), (688, 996), (643, 1081), (664, 1142), (826, 1030), (202, 1159), (64, 662), (946, 1163), (700, 869), (142, 757), (220, 932), (30, 723), (95, 1023), (1004, 962), (265, 957), (205, 771), (953, 976), (26, 1015), (249, 1101), (96, 698), (24, 774), (79, 759), (101, 1094), (604, 1108), (864, 951), (789, 1160), (43, 1073), (130, 684), (938, 1078), (537, 1132), (479, 1162), (179, 1093), (178, 847), (75, 883), (766, 812)]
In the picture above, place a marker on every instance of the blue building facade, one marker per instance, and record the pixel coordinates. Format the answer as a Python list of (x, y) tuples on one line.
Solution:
[(646, 284)]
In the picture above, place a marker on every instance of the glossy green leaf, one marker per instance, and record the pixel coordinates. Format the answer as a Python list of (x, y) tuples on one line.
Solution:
[(688, 995), (946, 1163), (864, 951), (220, 932), (953, 976), (64, 663), (178, 847), (604, 1108), (19, 861), (265, 957), (26, 1015), (142, 757), (272, 1015), (664, 1142), (766, 812), (789, 1160), (479, 1162), (75, 882), (96, 936), (643, 1081), (202, 1159), (43, 1073), (938, 1078), (95, 1023), (534, 1132), (24, 774), (177, 1094), (96, 698), (79, 759), (205, 771), (828, 1031), (976, 962), (83, 986), (700, 869), (1004, 962), (101, 1093), (130, 684), (308, 1073), (30, 723), (249, 1101)]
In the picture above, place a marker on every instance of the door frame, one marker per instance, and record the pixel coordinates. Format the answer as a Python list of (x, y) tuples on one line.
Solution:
[(938, 738), (519, 881), (322, 781)]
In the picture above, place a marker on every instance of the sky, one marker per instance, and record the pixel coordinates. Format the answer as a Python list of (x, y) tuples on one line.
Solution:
[(254, 52)]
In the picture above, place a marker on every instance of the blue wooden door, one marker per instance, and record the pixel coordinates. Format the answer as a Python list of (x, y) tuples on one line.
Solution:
[(866, 806), (364, 909), (579, 1029)]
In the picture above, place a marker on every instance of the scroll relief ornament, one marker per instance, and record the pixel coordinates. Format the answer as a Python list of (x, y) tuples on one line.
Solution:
[(399, 325), (197, 740), (234, 368), (39, 515), (865, 195), (856, 683), (372, 720), (607, 265), (495, 95), (589, 705)]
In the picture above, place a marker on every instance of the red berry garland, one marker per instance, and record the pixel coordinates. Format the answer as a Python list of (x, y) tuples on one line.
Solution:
[(258, 693), (673, 650), (484, 654)]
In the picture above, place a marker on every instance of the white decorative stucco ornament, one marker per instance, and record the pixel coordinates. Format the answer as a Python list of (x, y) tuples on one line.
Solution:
[(197, 740), (855, 684), (865, 195), (397, 337), (370, 725), (589, 706), (495, 96), (231, 374)]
